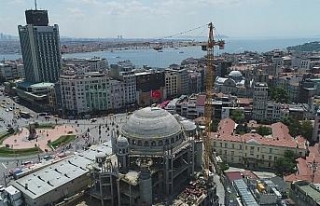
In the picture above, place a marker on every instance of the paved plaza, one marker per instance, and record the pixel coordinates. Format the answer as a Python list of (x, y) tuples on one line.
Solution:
[(20, 141)]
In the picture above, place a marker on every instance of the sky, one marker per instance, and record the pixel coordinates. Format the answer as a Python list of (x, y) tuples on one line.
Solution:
[(162, 18)]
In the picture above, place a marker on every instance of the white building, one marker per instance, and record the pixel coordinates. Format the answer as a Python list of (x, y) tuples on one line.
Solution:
[(97, 64), (260, 101), (233, 84), (117, 94), (85, 92), (11, 70), (123, 71)]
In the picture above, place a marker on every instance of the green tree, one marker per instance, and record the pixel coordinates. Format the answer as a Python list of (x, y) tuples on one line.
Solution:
[(286, 164), (237, 115), (214, 125), (306, 129), (279, 94), (263, 130), (303, 128)]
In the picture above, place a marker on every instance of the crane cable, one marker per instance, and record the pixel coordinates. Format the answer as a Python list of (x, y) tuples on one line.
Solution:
[(179, 33)]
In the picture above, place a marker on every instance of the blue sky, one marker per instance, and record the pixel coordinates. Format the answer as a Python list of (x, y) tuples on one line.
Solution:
[(157, 18)]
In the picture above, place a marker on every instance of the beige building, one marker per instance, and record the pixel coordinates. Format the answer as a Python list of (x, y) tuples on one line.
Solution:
[(177, 81), (254, 150)]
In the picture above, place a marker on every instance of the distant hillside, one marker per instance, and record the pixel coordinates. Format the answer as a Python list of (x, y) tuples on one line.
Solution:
[(307, 47)]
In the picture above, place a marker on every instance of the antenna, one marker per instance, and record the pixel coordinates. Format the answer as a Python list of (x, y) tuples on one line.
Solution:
[(35, 4)]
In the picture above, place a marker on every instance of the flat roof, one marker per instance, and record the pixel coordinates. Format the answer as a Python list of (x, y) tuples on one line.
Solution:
[(311, 192), (42, 84), (246, 196), (53, 176), (11, 190)]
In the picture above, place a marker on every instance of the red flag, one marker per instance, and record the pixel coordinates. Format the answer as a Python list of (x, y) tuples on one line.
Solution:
[(156, 94)]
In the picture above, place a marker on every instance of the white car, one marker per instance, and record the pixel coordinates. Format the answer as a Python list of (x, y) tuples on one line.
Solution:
[(10, 108), (7, 110)]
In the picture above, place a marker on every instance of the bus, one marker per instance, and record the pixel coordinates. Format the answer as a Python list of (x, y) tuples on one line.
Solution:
[(24, 114)]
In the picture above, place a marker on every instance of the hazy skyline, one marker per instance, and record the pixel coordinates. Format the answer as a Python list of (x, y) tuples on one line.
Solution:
[(157, 18)]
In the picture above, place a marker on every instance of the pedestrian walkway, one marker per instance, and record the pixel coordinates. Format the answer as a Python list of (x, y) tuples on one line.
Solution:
[(20, 141)]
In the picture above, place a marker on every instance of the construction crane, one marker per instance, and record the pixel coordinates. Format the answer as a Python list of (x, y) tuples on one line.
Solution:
[(208, 109)]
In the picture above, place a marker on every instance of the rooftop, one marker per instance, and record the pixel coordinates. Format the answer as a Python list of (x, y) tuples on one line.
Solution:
[(43, 181), (151, 122), (42, 84), (280, 137), (246, 196)]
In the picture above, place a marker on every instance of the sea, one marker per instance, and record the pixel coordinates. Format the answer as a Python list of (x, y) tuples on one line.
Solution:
[(153, 58)]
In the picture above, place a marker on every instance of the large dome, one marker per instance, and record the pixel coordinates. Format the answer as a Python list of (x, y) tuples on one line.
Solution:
[(151, 122), (235, 74)]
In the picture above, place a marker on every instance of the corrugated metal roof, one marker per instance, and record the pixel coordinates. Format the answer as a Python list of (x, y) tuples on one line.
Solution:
[(245, 194)]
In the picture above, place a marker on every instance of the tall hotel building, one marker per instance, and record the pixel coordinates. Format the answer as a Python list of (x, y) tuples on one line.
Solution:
[(40, 46)]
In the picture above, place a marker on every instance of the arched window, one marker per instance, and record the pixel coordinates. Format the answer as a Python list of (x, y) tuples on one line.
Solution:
[(146, 144), (160, 143), (167, 141), (153, 143), (139, 143), (172, 140)]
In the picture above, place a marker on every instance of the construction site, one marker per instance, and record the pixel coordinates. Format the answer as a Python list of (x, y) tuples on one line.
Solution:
[(156, 159)]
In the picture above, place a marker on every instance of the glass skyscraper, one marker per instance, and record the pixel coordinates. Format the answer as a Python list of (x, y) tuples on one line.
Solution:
[(40, 46)]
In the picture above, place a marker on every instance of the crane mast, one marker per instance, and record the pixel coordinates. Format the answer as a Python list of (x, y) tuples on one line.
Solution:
[(208, 109)]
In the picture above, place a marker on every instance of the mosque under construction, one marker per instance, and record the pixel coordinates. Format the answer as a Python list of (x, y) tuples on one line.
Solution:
[(155, 160)]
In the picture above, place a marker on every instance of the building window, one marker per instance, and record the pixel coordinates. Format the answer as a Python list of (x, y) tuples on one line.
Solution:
[(225, 145), (226, 152), (240, 147), (153, 143), (232, 146), (139, 143), (270, 157), (232, 153), (270, 150), (214, 144)]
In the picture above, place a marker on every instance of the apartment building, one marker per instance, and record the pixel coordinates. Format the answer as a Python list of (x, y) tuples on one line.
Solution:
[(305, 194), (195, 85), (260, 100), (117, 94), (123, 71), (253, 150), (85, 92), (177, 81), (11, 70), (148, 81)]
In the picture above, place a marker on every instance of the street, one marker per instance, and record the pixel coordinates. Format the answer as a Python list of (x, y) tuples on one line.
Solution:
[(88, 128)]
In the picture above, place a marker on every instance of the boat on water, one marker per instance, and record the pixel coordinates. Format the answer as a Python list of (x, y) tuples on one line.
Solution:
[(158, 47), (181, 52)]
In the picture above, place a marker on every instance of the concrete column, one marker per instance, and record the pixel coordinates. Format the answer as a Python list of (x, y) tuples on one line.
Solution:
[(118, 188)]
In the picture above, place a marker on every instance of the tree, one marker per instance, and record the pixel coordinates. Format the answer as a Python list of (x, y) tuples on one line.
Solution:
[(237, 115), (286, 164), (306, 129), (303, 128), (214, 125), (279, 94), (263, 130)]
